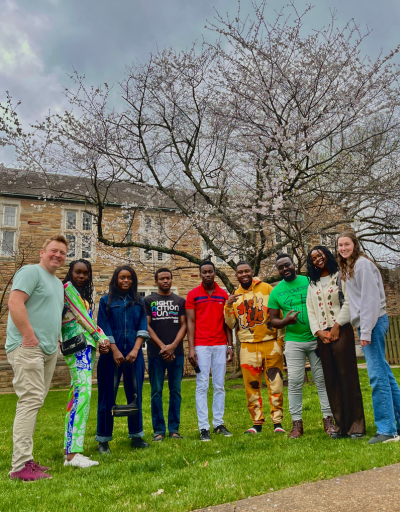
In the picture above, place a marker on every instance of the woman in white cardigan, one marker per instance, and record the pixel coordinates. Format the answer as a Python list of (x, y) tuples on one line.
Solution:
[(329, 316)]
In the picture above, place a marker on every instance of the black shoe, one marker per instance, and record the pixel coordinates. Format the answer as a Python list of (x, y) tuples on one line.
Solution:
[(356, 436), (137, 442), (205, 435), (222, 430), (103, 447), (336, 435), (278, 429), (255, 429)]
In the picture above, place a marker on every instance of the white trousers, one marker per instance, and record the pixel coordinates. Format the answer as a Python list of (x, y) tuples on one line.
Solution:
[(213, 357)]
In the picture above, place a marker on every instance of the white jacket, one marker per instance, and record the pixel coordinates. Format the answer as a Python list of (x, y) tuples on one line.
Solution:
[(323, 306)]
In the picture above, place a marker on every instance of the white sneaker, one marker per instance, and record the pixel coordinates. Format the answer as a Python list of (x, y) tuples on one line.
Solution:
[(80, 461)]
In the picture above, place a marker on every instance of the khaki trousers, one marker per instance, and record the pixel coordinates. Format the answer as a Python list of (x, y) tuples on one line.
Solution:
[(33, 371)]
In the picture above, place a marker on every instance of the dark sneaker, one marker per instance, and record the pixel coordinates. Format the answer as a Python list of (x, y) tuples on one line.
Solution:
[(222, 430), (205, 435), (356, 436), (29, 473), (38, 466), (137, 442), (336, 435), (255, 429), (103, 447), (381, 438), (278, 429)]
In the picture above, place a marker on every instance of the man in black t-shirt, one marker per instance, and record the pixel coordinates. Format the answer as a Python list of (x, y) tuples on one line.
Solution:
[(167, 327)]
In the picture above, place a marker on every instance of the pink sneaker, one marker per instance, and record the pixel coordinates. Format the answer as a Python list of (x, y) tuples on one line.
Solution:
[(29, 473), (38, 466)]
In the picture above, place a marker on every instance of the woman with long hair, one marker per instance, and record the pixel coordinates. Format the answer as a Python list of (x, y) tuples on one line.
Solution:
[(77, 320), (329, 316), (367, 302), (123, 319)]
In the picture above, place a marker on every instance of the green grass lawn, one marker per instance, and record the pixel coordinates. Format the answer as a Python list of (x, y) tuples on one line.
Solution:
[(192, 474)]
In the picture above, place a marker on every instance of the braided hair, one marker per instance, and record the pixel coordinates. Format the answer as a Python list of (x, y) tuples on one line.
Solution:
[(314, 274), (114, 292), (86, 291)]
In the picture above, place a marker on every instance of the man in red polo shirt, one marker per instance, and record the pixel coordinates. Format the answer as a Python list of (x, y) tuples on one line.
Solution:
[(208, 337)]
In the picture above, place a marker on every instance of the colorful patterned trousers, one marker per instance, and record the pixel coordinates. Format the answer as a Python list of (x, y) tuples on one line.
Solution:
[(255, 358), (81, 366)]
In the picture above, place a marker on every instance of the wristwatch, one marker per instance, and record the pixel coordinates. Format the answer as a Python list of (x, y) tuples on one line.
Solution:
[(229, 347)]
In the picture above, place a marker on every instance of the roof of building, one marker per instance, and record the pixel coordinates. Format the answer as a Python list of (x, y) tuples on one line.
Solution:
[(72, 188)]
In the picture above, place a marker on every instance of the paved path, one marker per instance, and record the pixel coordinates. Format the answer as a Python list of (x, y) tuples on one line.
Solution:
[(367, 491)]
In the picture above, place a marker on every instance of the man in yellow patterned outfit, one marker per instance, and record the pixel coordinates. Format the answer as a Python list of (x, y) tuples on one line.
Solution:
[(261, 345)]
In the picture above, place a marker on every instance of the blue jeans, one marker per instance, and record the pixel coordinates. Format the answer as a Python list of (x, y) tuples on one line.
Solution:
[(108, 379), (157, 367), (385, 390)]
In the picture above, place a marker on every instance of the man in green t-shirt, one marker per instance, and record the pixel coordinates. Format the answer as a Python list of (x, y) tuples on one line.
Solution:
[(33, 328), (290, 296)]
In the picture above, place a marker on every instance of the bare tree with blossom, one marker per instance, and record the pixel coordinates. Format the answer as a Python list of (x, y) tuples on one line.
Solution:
[(260, 142)]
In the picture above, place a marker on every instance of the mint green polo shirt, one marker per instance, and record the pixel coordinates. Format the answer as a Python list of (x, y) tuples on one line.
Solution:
[(44, 306)]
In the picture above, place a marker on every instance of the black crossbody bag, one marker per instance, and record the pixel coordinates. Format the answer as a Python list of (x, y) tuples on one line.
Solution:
[(73, 345)]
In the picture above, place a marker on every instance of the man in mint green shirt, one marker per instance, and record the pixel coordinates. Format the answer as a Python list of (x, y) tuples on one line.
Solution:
[(33, 328), (290, 296)]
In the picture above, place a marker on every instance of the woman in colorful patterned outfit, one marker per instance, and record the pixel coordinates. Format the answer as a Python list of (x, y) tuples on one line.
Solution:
[(123, 318), (77, 319), (329, 317)]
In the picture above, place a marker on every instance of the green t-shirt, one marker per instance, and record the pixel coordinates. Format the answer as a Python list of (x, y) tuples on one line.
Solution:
[(44, 306), (288, 295)]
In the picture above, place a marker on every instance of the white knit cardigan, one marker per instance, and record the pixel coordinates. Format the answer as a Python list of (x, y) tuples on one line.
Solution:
[(323, 306)]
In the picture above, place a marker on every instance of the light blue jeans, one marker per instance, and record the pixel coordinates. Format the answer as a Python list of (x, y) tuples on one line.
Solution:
[(385, 390)]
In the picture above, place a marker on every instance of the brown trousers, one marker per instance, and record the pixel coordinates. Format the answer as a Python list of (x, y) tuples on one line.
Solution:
[(342, 383)]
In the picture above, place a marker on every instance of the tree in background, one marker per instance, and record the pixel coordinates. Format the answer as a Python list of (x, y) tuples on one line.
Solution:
[(256, 144)]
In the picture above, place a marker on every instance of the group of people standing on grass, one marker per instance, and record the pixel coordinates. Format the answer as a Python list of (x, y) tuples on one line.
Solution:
[(302, 317)]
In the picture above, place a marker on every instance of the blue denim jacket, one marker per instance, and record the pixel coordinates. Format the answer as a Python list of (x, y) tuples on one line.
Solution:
[(125, 323)]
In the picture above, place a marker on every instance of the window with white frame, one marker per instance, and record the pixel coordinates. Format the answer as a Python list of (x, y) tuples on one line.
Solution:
[(227, 245), (78, 230), (9, 226), (154, 234)]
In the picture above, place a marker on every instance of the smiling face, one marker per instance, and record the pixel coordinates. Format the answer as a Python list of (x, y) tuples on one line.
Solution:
[(286, 269), (345, 247), (124, 280), (244, 274), (318, 259), (80, 274), (53, 256)]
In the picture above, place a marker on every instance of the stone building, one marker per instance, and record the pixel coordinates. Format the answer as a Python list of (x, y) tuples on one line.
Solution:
[(29, 213)]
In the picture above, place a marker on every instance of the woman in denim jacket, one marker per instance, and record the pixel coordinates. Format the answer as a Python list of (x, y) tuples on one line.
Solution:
[(123, 319)]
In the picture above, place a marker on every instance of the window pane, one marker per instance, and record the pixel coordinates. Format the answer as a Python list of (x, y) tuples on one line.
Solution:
[(10, 216), (70, 220), (72, 246), (160, 256), (86, 247), (7, 243), (86, 222), (142, 294)]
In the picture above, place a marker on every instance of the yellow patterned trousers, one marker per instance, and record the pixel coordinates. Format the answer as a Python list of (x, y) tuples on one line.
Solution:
[(255, 358)]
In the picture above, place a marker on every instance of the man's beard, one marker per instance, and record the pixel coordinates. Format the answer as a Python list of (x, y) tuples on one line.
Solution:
[(291, 276)]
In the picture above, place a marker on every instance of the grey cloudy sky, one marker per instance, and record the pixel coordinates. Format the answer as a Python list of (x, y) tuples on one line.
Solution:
[(41, 41)]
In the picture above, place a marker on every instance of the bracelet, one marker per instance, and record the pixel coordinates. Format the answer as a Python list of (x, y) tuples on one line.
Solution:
[(230, 347)]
